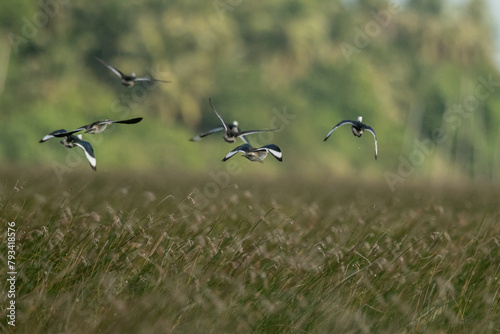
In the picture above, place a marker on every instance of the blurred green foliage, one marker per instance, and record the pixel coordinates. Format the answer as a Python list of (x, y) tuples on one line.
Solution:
[(401, 67)]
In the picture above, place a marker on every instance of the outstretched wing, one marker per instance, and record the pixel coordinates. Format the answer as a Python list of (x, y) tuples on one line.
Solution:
[(89, 152), (114, 69), (129, 121), (336, 126), (274, 150), (150, 79), (60, 133), (369, 129), (215, 111), (204, 134), (57, 133), (69, 133), (245, 140), (250, 132), (242, 148)]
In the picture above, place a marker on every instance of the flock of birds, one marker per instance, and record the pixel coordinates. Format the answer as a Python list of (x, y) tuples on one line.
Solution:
[(231, 130)]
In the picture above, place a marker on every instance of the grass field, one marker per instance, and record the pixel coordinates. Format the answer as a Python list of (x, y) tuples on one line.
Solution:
[(139, 253)]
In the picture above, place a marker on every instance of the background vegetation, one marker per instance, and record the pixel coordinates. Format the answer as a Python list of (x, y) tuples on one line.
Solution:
[(322, 62)]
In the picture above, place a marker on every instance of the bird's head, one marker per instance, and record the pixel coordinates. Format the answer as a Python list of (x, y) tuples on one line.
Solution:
[(360, 119)]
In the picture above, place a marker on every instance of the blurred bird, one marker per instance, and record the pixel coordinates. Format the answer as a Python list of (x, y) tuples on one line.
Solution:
[(71, 141), (233, 127), (231, 131), (127, 80), (256, 154), (100, 126), (357, 129), (93, 128)]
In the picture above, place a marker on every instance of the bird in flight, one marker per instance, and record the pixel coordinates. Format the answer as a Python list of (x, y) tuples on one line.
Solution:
[(357, 128), (70, 141), (256, 154), (93, 128), (231, 130), (100, 126), (127, 80)]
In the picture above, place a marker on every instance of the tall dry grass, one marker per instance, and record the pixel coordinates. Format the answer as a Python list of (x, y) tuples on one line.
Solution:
[(116, 253)]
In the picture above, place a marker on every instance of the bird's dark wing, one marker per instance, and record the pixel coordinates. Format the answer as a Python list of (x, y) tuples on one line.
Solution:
[(60, 133), (274, 150), (209, 132), (112, 68), (149, 79), (129, 121), (215, 111), (242, 148), (249, 132), (57, 133), (89, 152), (69, 133), (244, 139), (336, 126), (369, 129)]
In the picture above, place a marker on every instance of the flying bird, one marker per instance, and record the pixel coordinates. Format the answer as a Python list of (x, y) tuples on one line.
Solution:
[(231, 130), (357, 129), (93, 128), (71, 141), (127, 80), (233, 127), (100, 126), (256, 154)]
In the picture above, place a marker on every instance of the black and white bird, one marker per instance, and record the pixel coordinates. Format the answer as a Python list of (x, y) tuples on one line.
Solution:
[(233, 127), (357, 128), (70, 141), (127, 80), (100, 126), (231, 130), (93, 128), (256, 154)]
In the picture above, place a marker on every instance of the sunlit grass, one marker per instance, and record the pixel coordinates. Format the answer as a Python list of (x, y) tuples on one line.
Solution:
[(139, 254)]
